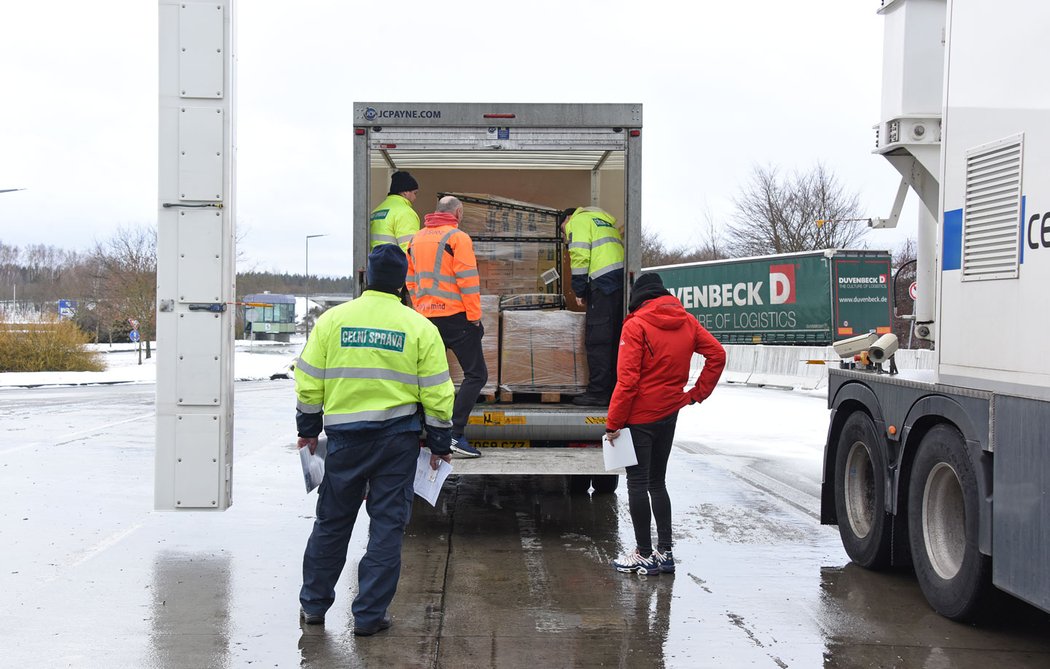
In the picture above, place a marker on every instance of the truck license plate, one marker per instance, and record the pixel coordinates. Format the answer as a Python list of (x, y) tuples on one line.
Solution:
[(501, 443)]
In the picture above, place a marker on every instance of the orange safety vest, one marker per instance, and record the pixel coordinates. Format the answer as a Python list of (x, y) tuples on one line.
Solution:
[(442, 270)]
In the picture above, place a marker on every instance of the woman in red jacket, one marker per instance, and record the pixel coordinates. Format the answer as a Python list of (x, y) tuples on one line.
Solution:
[(656, 346)]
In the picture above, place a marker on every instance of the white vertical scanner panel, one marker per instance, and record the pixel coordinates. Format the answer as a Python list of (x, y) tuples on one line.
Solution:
[(200, 50), (198, 440), (200, 153), (198, 373), (200, 255)]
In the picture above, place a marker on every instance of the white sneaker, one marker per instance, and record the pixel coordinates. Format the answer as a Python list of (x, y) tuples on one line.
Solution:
[(635, 562)]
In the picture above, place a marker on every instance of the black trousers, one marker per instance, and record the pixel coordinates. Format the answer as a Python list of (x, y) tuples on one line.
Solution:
[(464, 340), (647, 496), (602, 339)]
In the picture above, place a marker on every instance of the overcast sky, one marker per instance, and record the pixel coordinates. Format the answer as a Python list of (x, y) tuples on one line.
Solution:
[(725, 86)]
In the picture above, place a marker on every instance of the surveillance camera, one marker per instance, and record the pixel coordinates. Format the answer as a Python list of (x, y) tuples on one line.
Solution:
[(847, 348), (883, 348)]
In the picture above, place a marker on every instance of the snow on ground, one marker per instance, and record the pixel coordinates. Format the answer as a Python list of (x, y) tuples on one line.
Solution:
[(252, 360)]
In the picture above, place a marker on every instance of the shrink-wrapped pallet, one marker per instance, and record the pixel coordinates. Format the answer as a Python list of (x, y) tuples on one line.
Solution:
[(543, 352), (494, 216), (489, 346), (517, 244)]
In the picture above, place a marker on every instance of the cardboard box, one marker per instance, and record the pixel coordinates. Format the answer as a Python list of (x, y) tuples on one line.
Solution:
[(499, 226), (543, 352), (491, 215), (489, 347)]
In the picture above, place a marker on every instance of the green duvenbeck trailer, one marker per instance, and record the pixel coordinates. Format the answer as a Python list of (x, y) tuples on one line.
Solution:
[(813, 297)]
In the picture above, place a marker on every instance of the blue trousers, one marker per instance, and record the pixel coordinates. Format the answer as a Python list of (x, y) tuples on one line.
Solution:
[(387, 466)]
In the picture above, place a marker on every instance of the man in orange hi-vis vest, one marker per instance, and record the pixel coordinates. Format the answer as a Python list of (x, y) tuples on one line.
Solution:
[(446, 288)]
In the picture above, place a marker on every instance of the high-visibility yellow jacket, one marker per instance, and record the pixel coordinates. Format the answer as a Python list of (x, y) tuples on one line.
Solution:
[(394, 221), (368, 365), (442, 270), (595, 251)]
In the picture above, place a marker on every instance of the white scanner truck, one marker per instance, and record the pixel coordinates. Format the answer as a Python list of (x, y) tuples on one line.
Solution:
[(950, 470)]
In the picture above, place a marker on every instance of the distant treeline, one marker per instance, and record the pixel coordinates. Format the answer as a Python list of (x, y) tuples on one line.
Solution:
[(114, 284)]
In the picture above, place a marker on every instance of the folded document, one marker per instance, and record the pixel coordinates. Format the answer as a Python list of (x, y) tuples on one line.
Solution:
[(428, 481)]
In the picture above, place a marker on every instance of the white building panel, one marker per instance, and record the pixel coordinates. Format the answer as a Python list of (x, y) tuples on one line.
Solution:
[(200, 153), (200, 50), (200, 256), (198, 370), (198, 439)]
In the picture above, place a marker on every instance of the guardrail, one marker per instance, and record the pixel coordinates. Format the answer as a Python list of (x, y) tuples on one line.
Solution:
[(787, 366)]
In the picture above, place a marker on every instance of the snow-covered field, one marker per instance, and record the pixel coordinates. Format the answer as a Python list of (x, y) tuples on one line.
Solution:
[(253, 360)]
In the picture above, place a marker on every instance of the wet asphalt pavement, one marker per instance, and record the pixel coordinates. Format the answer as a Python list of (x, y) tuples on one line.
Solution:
[(505, 572)]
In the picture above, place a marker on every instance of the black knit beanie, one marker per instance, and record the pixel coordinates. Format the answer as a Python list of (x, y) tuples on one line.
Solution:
[(646, 287), (387, 267), (401, 182)]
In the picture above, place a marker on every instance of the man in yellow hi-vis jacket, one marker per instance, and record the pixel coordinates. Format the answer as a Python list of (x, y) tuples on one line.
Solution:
[(394, 221), (371, 371), (596, 256)]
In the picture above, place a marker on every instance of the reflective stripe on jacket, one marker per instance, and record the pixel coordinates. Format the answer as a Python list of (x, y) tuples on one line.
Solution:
[(369, 363), (442, 270), (595, 250), (394, 221)]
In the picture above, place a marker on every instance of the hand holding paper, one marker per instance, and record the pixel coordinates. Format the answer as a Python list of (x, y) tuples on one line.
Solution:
[(429, 480), (619, 452)]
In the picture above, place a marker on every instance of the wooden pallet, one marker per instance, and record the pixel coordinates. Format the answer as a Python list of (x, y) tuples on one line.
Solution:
[(507, 397)]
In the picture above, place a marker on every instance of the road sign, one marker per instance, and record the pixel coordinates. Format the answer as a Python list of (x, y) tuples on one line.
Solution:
[(913, 290), (67, 308), (134, 336)]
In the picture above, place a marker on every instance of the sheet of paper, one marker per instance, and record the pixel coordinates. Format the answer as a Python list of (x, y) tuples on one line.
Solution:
[(429, 481), (313, 465), (619, 453)]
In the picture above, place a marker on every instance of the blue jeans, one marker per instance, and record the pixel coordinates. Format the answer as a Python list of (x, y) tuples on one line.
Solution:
[(387, 466)]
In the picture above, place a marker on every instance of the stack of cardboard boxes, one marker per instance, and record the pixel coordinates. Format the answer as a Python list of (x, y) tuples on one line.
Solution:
[(519, 249), (543, 352)]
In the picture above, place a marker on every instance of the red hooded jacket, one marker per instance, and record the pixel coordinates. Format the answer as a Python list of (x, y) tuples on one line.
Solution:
[(656, 346)]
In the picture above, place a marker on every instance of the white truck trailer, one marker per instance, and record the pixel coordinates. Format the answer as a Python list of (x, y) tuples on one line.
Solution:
[(556, 155), (951, 471)]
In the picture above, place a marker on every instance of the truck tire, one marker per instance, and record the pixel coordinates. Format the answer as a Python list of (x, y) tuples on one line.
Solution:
[(579, 484), (943, 521), (605, 483), (860, 493)]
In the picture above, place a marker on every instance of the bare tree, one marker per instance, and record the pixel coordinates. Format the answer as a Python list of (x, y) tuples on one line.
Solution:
[(127, 262), (802, 212), (710, 246)]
